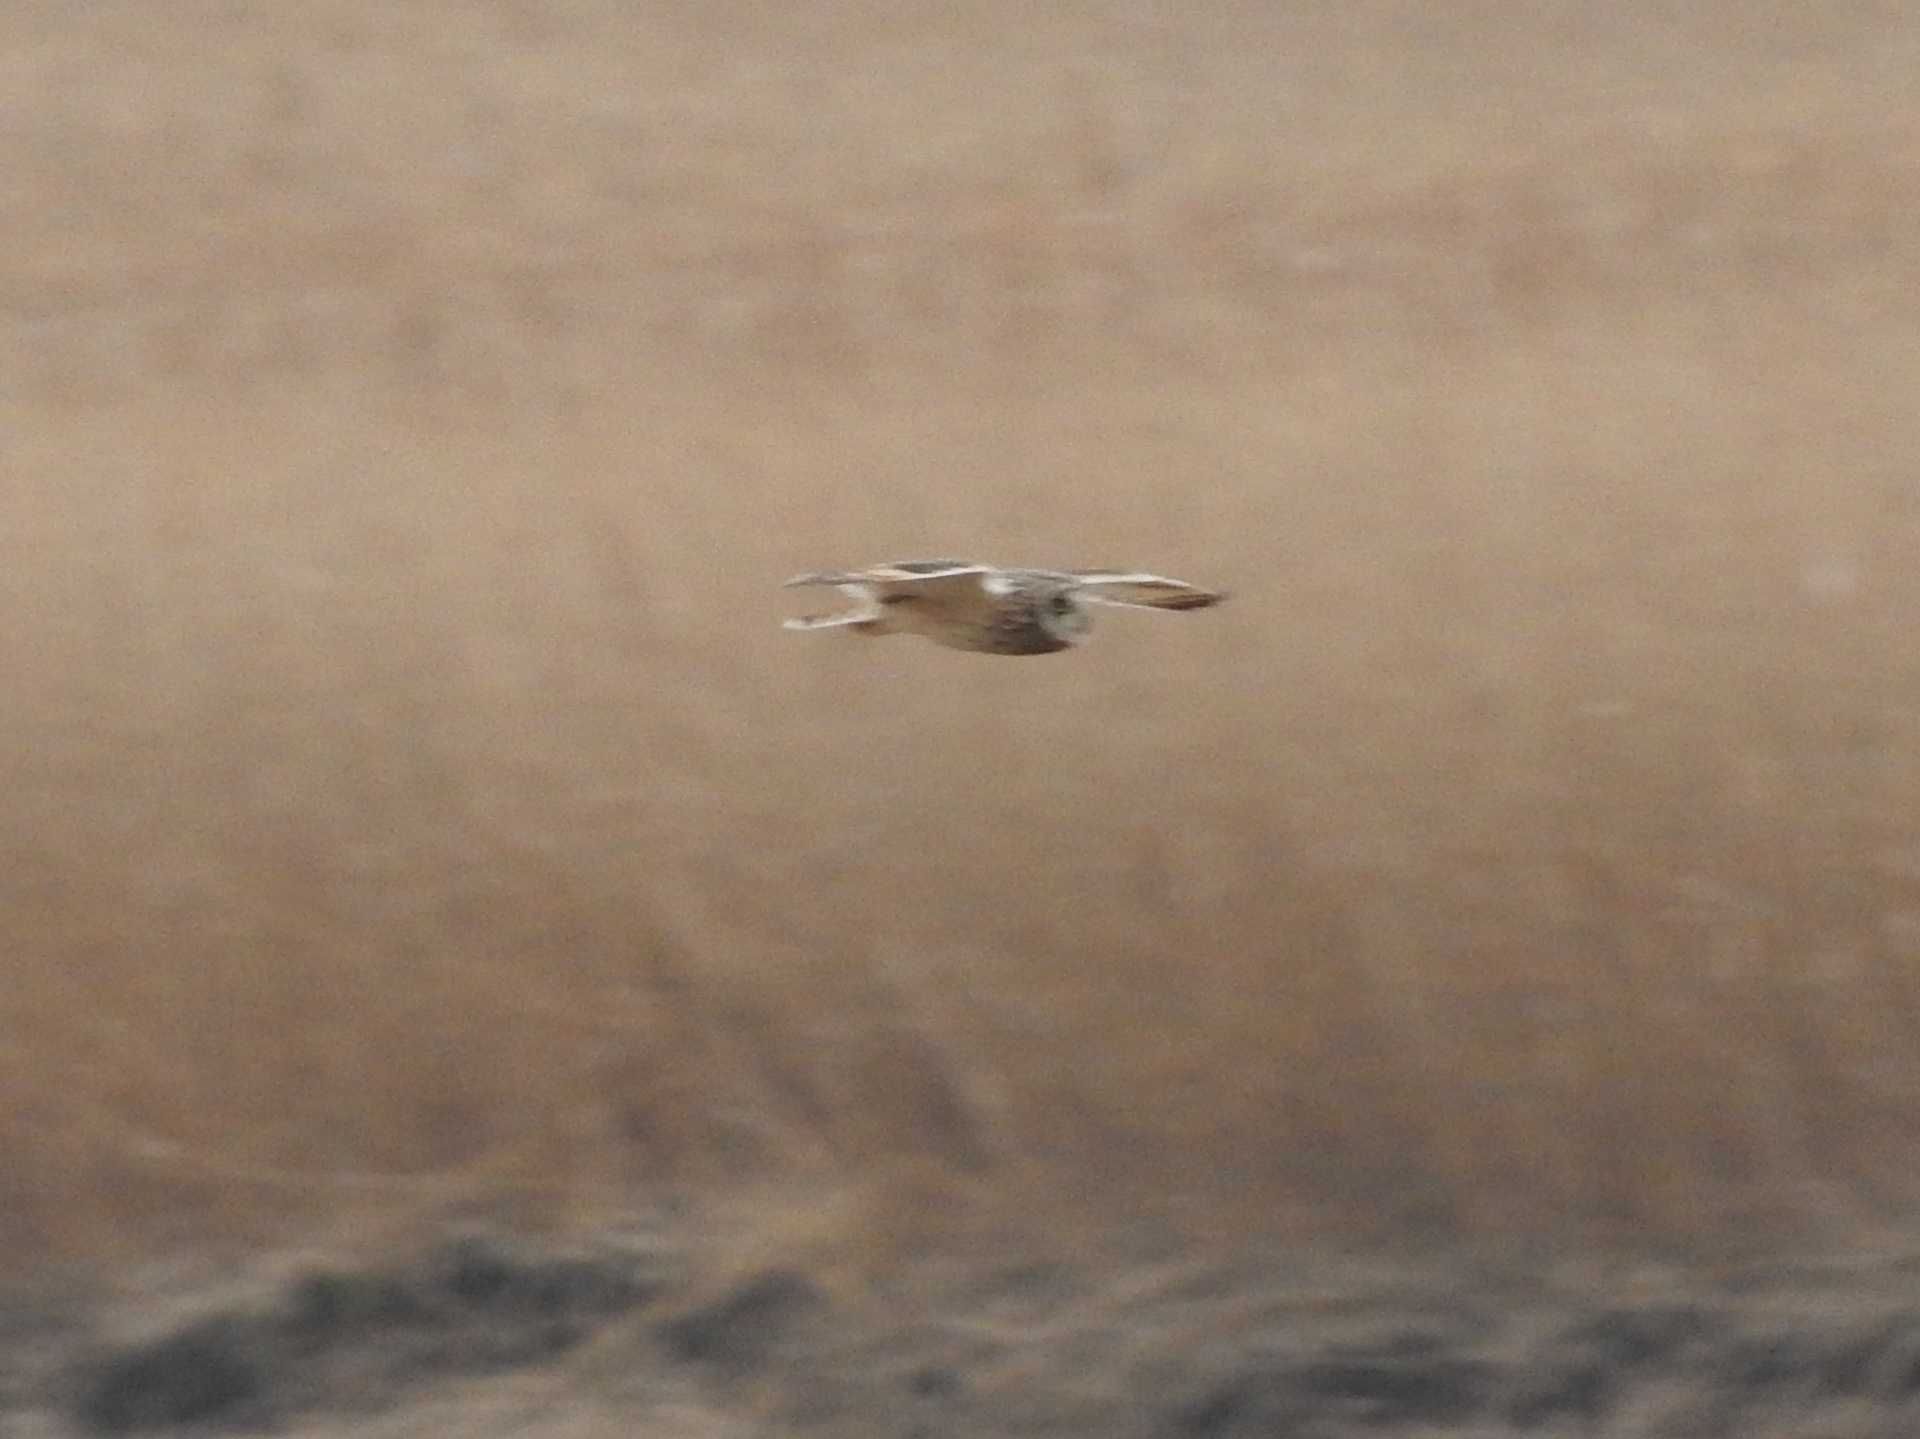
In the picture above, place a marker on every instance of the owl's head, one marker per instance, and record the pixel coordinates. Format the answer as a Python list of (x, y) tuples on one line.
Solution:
[(1061, 615)]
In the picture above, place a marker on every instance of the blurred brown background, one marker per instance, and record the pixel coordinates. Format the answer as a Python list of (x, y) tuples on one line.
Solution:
[(408, 412)]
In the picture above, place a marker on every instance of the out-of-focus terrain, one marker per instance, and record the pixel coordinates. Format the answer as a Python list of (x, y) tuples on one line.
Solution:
[(478, 1337), (414, 814)]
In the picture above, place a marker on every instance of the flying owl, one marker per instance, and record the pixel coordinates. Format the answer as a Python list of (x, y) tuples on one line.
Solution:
[(968, 606)]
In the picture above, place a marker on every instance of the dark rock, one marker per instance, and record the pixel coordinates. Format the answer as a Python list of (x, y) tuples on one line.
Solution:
[(737, 1328), (1580, 1371), (934, 1381), (210, 1374), (1388, 1389), (1409, 1381), (355, 1340)]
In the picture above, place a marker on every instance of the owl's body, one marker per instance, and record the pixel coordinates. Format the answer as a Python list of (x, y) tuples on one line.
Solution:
[(967, 606)]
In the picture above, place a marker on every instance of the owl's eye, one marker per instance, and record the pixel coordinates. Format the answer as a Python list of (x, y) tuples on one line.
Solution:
[(1060, 605)]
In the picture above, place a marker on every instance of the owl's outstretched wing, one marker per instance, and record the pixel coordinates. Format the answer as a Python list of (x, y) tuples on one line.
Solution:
[(1141, 591), (857, 618), (955, 588), (907, 576)]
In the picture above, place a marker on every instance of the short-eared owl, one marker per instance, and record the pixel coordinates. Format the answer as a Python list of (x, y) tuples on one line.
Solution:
[(968, 606)]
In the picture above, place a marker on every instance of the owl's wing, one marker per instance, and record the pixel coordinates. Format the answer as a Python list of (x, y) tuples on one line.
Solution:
[(905, 574), (955, 587), (928, 569), (1141, 591), (865, 610)]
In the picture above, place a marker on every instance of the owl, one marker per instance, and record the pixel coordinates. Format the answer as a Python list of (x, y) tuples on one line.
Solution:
[(968, 606)]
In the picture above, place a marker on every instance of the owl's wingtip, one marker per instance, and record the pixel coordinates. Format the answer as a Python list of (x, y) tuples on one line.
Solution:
[(1197, 600)]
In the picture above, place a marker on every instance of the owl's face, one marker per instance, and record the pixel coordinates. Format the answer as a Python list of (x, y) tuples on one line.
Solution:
[(1026, 616), (1060, 615)]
